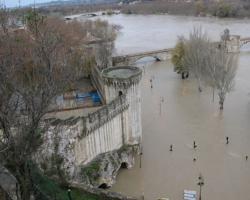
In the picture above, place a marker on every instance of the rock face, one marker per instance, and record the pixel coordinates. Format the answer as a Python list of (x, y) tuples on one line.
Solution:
[(56, 157), (102, 171)]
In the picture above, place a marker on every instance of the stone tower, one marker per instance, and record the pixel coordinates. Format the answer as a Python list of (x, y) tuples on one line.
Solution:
[(233, 45), (126, 81)]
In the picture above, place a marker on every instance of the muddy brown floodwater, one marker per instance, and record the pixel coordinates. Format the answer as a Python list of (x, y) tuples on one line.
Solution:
[(186, 116), (174, 112)]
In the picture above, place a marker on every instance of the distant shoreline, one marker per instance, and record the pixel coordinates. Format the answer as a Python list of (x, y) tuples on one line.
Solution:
[(236, 10), (99, 14)]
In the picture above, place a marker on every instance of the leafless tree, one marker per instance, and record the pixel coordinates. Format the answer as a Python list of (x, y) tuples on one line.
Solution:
[(36, 64), (195, 54), (209, 64), (225, 37), (107, 33), (104, 54), (221, 69)]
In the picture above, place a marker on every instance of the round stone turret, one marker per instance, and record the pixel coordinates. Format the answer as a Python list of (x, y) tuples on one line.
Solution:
[(126, 81), (119, 80)]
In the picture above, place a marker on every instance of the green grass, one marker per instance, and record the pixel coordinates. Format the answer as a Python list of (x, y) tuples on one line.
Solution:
[(57, 192), (92, 169)]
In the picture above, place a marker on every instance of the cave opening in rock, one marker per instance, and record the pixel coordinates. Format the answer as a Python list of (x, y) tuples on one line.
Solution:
[(124, 165), (103, 186)]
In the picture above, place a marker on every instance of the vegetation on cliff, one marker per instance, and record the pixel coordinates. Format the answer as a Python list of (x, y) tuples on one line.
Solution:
[(49, 189), (101, 172)]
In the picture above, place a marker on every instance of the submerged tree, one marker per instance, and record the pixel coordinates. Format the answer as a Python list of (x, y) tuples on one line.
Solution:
[(177, 58), (221, 69), (209, 64), (195, 54)]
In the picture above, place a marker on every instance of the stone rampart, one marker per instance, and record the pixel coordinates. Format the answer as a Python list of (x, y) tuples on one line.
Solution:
[(76, 141), (106, 113), (104, 130)]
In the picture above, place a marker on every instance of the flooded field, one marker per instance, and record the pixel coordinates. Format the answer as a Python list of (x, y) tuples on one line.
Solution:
[(186, 116), (174, 112)]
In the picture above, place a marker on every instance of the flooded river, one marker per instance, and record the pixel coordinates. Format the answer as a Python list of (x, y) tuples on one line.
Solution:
[(174, 112)]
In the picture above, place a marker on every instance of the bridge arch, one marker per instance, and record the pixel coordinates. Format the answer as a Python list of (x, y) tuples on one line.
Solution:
[(130, 59), (124, 165), (120, 93), (155, 58), (103, 186), (245, 42)]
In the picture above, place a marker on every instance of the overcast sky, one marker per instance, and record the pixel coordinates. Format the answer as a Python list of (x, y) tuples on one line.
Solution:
[(15, 3)]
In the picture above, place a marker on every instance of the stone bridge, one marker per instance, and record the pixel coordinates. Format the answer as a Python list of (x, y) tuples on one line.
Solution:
[(233, 45), (130, 59), (244, 41)]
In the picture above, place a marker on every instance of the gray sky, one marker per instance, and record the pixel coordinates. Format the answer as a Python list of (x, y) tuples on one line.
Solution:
[(15, 3)]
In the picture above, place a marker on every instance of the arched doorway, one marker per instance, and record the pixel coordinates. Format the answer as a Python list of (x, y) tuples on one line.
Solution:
[(103, 186), (124, 165)]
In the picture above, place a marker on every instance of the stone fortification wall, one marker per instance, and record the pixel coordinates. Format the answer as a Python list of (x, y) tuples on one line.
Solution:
[(105, 130), (71, 143), (126, 80)]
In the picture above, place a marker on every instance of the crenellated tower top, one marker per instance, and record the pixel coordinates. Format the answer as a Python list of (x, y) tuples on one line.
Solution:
[(122, 77), (119, 81)]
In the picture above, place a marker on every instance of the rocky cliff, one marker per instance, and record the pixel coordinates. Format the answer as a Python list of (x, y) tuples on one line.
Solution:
[(102, 171)]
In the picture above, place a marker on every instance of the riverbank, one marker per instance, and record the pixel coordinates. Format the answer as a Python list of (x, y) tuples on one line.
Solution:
[(49, 189), (221, 9)]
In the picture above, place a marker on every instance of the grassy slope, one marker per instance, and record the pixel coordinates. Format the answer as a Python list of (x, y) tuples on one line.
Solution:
[(55, 191)]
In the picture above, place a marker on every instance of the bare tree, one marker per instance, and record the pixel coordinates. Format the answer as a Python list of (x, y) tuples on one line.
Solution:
[(213, 66), (225, 37), (195, 54), (107, 34), (36, 64), (221, 69), (104, 54)]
